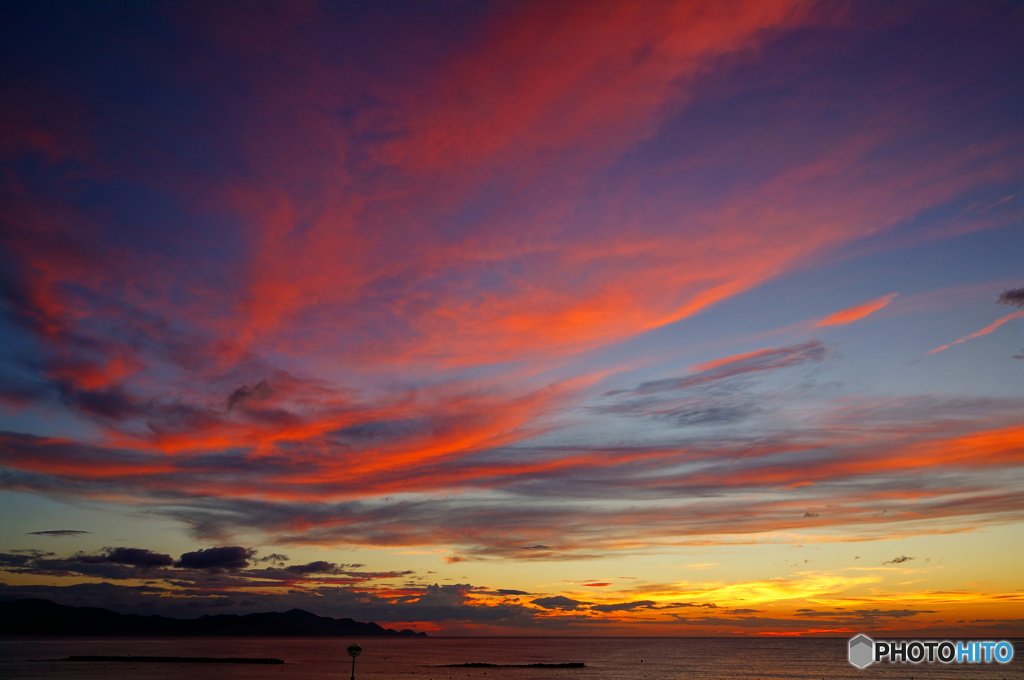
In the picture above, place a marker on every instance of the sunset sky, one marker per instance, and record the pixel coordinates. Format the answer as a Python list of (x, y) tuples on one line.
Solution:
[(553, 318)]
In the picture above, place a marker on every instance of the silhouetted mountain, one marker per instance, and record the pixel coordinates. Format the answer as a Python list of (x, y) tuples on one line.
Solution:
[(42, 617)]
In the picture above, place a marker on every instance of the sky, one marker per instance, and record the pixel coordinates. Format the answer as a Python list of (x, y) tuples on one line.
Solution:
[(517, 318)]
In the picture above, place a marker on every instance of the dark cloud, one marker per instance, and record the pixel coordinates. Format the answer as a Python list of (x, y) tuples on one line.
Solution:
[(559, 602), (243, 394), (13, 560), (138, 557), (710, 414), (623, 606), (1012, 296), (214, 568), (223, 557), (318, 567), (810, 514), (716, 396), (506, 591), (113, 403), (862, 614), (755, 362), (898, 560), (1015, 298), (383, 430), (129, 563), (58, 532), (455, 593), (703, 406)]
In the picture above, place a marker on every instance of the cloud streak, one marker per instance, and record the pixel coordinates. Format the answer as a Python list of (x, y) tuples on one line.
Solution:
[(700, 488), (768, 359), (977, 334), (857, 312)]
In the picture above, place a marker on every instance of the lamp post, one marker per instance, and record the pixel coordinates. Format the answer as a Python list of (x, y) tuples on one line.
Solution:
[(353, 651)]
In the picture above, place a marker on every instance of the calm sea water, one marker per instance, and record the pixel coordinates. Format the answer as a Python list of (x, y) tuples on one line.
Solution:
[(422, 659)]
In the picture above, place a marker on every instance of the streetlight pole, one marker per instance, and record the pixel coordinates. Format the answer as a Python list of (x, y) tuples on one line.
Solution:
[(353, 651)]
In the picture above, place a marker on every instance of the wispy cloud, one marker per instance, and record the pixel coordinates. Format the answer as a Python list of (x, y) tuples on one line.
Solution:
[(984, 331), (768, 359), (856, 461), (857, 312)]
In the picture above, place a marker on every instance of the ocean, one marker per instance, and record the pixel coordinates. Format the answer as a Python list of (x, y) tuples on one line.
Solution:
[(425, 659)]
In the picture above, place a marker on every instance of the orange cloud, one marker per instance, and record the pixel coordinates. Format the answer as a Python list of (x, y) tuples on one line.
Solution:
[(984, 331), (456, 240), (737, 488), (546, 77), (857, 312), (397, 258)]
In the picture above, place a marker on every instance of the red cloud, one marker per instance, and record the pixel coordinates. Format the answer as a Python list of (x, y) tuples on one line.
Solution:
[(408, 263), (857, 312), (984, 331)]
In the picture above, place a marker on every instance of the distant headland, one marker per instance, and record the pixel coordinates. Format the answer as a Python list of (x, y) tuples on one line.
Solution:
[(43, 617)]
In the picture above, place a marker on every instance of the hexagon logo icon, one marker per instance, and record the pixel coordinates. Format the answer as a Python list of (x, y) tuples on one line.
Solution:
[(862, 651)]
